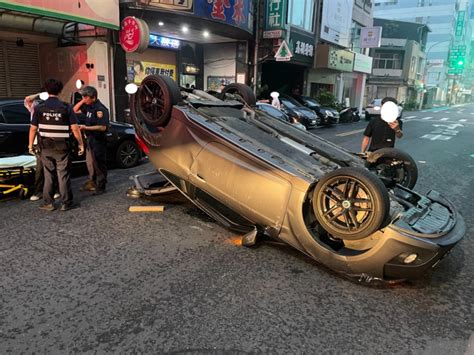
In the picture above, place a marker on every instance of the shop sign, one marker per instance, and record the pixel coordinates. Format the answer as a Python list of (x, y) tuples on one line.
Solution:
[(283, 53), (363, 63), (370, 37), (336, 22), (339, 59), (164, 42), (238, 13), (273, 34), (460, 23), (134, 35), (173, 5), (275, 14), (302, 47), (435, 63), (137, 70), (216, 83), (93, 12)]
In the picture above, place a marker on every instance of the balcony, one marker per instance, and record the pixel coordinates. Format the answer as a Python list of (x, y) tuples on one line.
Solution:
[(388, 72)]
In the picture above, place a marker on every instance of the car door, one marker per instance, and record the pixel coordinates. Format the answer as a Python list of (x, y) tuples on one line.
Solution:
[(14, 128)]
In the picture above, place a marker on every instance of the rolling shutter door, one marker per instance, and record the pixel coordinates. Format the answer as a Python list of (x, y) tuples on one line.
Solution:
[(20, 66)]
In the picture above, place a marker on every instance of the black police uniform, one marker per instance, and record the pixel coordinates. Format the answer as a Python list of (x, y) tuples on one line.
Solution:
[(54, 119), (382, 135), (96, 151)]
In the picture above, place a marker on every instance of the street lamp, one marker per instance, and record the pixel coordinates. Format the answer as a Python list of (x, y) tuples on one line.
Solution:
[(425, 70)]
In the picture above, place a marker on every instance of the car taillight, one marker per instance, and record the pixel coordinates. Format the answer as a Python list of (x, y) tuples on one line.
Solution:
[(142, 144)]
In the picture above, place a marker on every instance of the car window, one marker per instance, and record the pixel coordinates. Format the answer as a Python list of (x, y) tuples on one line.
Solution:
[(288, 103), (273, 111), (16, 114), (377, 102), (311, 101)]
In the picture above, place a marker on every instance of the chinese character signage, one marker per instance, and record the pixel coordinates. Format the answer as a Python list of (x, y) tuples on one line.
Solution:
[(336, 21), (333, 58), (460, 23), (93, 12), (275, 14), (138, 70), (302, 47), (158, 41), (134, 34), (233, 12), (370, 37)]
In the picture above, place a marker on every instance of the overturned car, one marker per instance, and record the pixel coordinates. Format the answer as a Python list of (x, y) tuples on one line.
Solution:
[(257, 175)]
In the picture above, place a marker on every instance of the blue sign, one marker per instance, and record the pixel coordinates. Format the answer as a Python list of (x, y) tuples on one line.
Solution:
[(164, 42), (232, 12)]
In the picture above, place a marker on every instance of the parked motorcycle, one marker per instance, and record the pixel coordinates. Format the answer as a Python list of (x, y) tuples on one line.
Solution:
[(349, 114)]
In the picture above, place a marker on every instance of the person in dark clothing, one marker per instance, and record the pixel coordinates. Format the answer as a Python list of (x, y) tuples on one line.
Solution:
[(96, 123), (380, 134), (30, 103), (54, 121)]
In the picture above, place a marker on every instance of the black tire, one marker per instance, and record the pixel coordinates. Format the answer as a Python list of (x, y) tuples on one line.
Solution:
[(396, 165), (245, 92), (356, 211), (127, 154), (155, 99)]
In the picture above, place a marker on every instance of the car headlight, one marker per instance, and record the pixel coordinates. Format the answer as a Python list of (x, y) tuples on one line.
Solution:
[(329, 113)]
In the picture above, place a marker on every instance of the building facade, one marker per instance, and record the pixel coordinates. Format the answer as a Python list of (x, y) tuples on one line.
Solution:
[(450, 32), (399, 63), (63, 40), (341, 65)]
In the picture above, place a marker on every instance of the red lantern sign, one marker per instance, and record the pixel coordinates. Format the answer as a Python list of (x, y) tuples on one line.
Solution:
[(134, 34)]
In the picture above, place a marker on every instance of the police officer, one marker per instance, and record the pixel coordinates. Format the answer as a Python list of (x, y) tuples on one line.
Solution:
[(95, 128), (54, 120)]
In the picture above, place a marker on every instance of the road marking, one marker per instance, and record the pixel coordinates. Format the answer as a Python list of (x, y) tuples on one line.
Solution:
[(472, 113), (422, 161), (445, 119), (350, 133), (436, 137), (427, 118), (411, 117), (449, 126), (463, 120), (424, 111)]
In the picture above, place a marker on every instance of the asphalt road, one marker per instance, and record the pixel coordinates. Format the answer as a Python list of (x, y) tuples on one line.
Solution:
[(100, 279)]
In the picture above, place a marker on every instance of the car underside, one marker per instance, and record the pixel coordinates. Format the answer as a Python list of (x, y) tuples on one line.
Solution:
[(261, 176)]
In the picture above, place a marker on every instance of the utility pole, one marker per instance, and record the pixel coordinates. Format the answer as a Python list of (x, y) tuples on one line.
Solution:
[(256, 49)]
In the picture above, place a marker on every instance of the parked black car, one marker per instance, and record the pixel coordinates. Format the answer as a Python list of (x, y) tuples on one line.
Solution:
[(327, 115), (294, 109), (280, 115), (122, 149), (349, 114)]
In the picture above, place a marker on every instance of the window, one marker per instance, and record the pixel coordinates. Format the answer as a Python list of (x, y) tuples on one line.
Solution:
[(273, 111), (16, 114), (301, 14), (387, 60)]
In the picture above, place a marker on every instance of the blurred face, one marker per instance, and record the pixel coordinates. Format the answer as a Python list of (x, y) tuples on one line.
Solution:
[(88, 100)]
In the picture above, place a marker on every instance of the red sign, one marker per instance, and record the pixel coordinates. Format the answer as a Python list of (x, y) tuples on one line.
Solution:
[(134, 34)]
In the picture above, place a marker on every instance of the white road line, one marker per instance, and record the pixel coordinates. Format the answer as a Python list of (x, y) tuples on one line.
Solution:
[(427, 118), (472, 113), (411, 117), (463, 120), (424, 111), (350, 133), (445, 119)]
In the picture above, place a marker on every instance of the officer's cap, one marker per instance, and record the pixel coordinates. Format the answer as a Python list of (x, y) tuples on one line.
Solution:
[(89, 91)]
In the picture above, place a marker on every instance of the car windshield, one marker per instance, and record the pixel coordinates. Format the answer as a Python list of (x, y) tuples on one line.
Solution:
[(310, 101), (292, 103)]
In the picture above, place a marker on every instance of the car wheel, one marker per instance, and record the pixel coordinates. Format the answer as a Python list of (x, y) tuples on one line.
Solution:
[(155, 99), (245, 92), (350, 203), (127, 154), (395, 165)]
